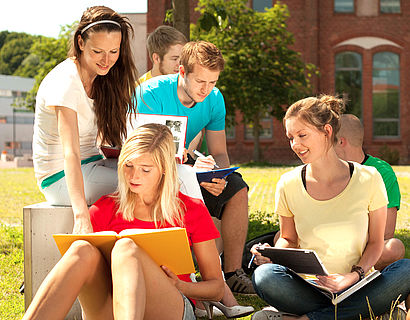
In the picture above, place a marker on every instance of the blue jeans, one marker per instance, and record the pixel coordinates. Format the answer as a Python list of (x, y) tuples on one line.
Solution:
[(274, 284)]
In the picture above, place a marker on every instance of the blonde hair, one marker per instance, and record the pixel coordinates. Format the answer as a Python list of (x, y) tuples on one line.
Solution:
[(203, 53), (318, 111), (351, 129), (157, 141), (162, 38)]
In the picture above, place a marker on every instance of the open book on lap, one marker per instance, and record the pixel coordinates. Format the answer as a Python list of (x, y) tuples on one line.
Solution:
[(305, 264), (167, 246)]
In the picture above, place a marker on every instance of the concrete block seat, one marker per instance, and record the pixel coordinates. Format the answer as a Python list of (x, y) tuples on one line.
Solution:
[(40, 222)]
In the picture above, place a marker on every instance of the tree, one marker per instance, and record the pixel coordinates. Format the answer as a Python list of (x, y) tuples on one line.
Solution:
[(181, 16), (262, 73), (46, 53), (15, 49)]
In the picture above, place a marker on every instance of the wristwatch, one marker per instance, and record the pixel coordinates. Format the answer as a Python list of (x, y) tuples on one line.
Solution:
[(359, 270)]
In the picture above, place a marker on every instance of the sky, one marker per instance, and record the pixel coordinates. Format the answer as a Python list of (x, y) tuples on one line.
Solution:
[(45, 17)]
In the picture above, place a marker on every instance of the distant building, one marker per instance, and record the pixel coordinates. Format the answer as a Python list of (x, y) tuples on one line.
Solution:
[(139, 23), (16, 124), (362, 50)]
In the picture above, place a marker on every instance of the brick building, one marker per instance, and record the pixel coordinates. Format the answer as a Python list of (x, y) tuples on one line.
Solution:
[(362, 50)]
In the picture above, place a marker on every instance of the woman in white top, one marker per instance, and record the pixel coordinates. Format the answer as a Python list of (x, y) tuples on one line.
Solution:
[(81, 104), (337, 209)]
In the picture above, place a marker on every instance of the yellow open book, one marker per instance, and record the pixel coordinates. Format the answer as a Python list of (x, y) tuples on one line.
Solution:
[(168, 247)]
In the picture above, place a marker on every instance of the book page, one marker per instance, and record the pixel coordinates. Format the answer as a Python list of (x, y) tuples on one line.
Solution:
[(177, 125), (140, 231)]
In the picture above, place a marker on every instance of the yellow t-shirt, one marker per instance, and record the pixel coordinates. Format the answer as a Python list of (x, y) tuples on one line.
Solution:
[(337, 229), (145, 77)]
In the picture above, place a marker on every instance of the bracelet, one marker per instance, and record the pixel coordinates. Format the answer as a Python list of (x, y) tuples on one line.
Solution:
[(359, 270)]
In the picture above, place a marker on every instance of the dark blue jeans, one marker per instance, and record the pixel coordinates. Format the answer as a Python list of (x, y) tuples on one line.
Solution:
[(274, 284)]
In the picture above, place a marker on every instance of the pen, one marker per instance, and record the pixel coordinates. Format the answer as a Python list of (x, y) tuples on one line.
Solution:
[(197, 153), (250, 262), (253, 257)]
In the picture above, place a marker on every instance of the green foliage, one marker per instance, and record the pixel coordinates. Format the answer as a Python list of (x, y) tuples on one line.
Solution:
[(262, 73), (30, 56), (46, 53), (3, 37), (15, 48)]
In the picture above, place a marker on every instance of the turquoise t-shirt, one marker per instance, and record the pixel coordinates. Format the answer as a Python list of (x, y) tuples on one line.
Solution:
[(389, 179), (159, 96)]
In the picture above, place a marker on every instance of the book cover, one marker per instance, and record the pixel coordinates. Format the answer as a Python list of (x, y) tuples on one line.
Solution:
[(110, 152), (299, 260), (207, 176), (306, 264), (177, 125), (168, 246)]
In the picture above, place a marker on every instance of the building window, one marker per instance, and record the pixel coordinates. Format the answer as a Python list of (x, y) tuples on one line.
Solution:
[(348, 80), (386, 94), (5, 93), (260, 5), (265, 132), (390, 6), (344, 6)]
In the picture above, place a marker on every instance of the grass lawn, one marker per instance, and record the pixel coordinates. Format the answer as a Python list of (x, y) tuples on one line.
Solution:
[(18, 189)]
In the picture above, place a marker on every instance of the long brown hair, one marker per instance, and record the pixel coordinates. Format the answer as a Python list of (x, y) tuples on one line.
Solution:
[(114, 93)]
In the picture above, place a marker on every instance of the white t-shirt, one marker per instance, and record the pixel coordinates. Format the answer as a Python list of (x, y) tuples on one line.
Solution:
[(188, 182), (61, 87)]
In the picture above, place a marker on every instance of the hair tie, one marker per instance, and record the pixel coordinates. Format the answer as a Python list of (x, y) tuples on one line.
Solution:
[(99, 22)]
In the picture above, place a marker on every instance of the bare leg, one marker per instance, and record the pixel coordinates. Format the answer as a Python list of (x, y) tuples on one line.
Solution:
[(81, 268), (393, 250), (228, 298), (234, 230), (141, 290), (219, 242)]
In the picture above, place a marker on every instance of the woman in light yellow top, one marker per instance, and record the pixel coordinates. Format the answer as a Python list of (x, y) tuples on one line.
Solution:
[(337, 209)]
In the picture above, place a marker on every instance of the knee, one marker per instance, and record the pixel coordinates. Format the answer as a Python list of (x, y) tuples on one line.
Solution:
[(84, 252), (395, 249), (264, 275), (124, 249)]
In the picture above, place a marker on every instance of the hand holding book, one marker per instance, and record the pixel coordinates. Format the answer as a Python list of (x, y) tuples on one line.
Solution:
[(337, 282)]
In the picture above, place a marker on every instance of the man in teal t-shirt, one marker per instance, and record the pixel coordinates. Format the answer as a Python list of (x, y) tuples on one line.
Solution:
[(192, 93), (350, 147)]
